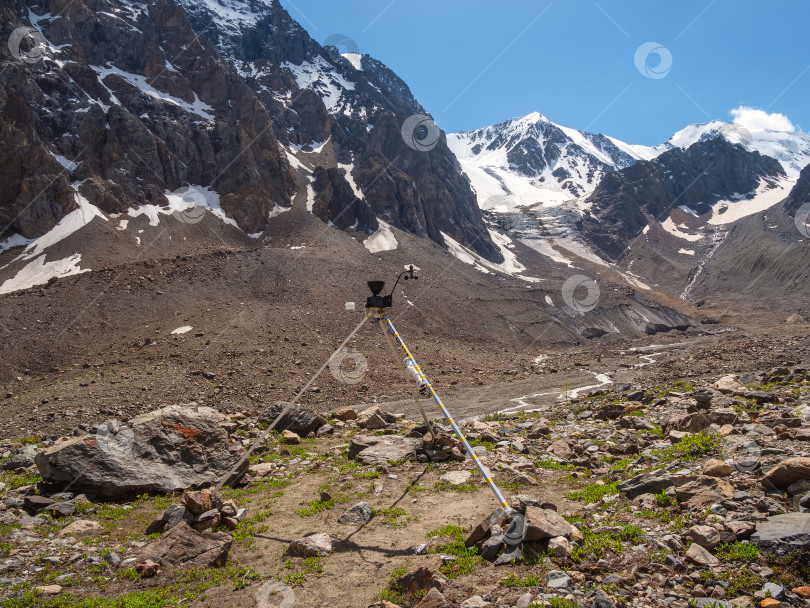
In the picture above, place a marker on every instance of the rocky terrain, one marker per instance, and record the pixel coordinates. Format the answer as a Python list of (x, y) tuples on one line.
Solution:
[(695, 492)]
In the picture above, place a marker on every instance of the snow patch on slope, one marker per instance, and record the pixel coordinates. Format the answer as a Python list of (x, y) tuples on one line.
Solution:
[(382, 240)]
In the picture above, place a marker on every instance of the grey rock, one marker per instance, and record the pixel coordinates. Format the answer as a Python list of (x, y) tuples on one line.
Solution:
[(421, 550), (475, 601), (61, 509), (777, 592), (326, 429), (388, 449), (360, 513), (310, 546), (111, 558), (557, 579), (21, 460), (783, 534), (646, 483), (300, 420), (166, 450), (492, 547), (512, 553), (603, 601), (174, 514)]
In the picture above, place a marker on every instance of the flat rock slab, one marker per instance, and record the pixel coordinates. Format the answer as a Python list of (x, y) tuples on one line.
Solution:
[(783, 534), (184, 546), (167, 450), (389, 449), (646, 483), (456, 478)]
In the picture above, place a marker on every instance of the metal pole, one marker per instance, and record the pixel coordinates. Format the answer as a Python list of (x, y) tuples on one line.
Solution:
[(414, 390), (447, 416)]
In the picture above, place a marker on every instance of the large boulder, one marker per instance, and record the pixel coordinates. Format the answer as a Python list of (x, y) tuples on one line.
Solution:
[(787, 472), (184, 546), (784, 534), (300, 420), (171, 449)]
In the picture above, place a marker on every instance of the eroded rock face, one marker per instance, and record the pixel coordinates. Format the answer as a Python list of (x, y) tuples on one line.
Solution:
[(170, 449), (137, 105)]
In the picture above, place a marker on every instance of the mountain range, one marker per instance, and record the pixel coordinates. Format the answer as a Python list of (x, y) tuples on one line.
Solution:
[(122, 121)]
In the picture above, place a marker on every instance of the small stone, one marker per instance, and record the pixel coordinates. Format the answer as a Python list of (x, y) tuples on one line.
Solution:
[(346, 414), (769, 602), (557, 579), (326, 429), (174, 514), (112, 558), (421, 550), (360, 513), (524, 600), (228, 509), (35, 504), (802, 591), (717, 468), (49, 589), (475, 601), (705, 536), (433, 599), (700, 556), (147, 568), (198, 502), (456, 478), (80, 527), (208, 520), (310, 546), (290, 437), (559, 547), (774, 590)]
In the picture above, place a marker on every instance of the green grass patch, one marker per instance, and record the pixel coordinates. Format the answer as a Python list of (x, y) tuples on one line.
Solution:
[(737, 551), (466, 557), (515, 581), (594, 492), (691, 447)]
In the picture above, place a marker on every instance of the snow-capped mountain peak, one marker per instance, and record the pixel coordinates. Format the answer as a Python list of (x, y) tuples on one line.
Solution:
[(790, 148), (531, 160)]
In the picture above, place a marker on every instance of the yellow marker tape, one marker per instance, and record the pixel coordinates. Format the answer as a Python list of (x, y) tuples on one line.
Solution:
[(474, 456), (489, 481), (450, 421)]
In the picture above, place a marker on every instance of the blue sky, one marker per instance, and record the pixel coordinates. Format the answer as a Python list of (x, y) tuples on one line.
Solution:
[(473, 63)]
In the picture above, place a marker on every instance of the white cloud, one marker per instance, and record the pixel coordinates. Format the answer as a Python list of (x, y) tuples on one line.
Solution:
[(758, 120)]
